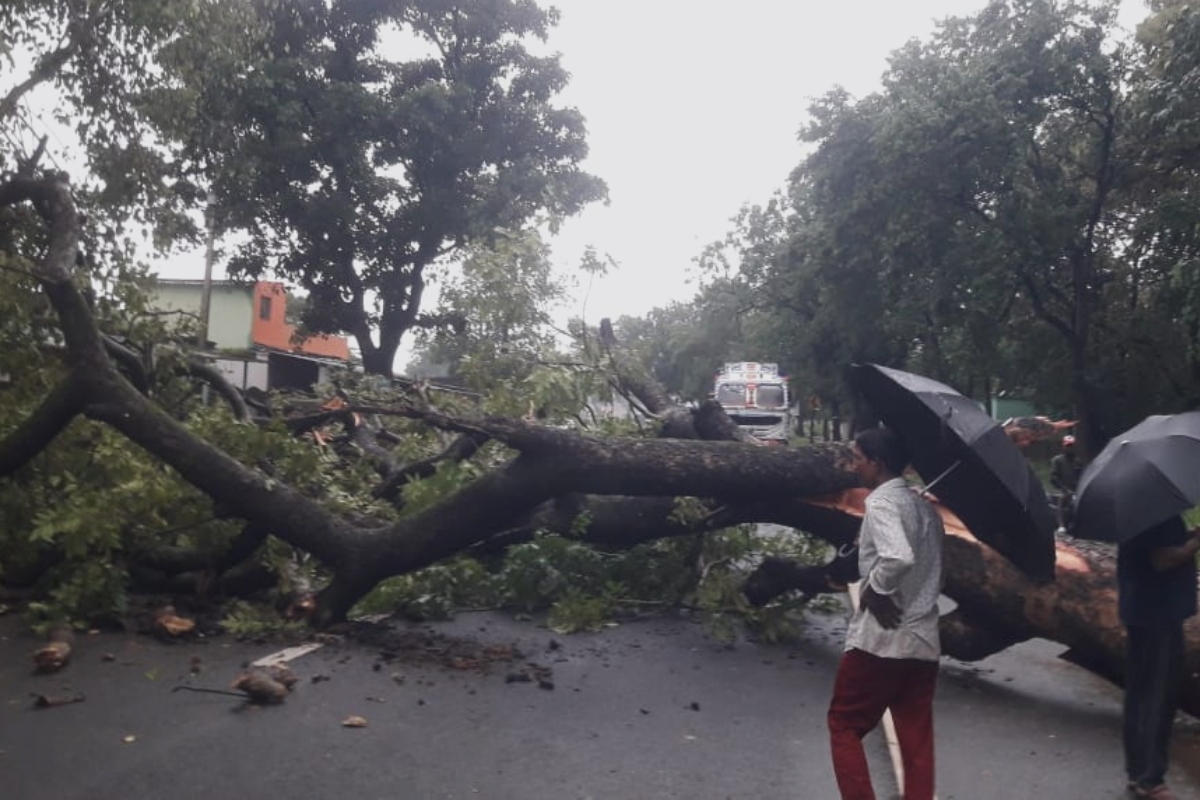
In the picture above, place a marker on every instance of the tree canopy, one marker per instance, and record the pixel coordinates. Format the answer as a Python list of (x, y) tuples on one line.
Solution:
[(1010, 212)]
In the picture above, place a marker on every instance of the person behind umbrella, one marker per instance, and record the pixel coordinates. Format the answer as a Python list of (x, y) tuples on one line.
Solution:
[(1156, 585), (892, 646), (1064, 476)]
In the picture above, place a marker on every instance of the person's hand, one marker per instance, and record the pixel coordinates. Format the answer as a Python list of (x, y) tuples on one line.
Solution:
[(1193, 543), (881, 607)]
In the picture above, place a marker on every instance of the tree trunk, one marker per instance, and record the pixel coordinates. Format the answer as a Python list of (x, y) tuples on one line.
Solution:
[(998, 605), (549, 482)]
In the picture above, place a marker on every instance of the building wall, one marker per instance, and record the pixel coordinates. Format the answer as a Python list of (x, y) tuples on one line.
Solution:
[(1006, 407), (229, 310), (242, 315), (244, 373), (270, 327)]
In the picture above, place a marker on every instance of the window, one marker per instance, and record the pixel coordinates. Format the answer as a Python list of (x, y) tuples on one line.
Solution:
[(264, 308), (770, 397), (731, 394)]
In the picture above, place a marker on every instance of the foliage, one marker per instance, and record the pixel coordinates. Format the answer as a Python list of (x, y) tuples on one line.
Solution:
[(500, 301), (578, 611), (435, 592), (92, 503), (250, 620), (352, 173), (92, 66), (683, 344), (348, 171), (582, 588), (1013, 210), (356, 148)]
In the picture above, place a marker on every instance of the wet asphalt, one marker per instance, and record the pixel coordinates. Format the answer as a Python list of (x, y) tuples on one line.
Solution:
[(647, 709)]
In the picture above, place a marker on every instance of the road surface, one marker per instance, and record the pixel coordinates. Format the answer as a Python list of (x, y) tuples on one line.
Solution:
[(648, 709)]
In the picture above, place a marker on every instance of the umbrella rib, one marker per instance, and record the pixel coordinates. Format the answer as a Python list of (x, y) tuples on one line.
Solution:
[(935, 481)]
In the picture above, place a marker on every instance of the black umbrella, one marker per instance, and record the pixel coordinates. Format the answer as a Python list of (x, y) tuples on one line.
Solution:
[(1144, 476), (968, 461)]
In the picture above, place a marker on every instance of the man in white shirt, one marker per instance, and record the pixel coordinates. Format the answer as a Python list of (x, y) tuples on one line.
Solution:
[(892, 645)]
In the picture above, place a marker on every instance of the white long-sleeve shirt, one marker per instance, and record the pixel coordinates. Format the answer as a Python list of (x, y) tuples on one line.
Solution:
[(900, 556)]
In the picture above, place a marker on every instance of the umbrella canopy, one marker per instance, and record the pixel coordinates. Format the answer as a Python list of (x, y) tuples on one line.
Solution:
[(1142, 477), (969, 462)]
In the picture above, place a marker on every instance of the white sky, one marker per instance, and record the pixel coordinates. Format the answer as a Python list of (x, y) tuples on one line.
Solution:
[(693, 110)]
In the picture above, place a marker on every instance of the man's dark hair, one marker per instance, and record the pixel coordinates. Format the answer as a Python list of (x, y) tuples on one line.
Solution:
[(883, 445)]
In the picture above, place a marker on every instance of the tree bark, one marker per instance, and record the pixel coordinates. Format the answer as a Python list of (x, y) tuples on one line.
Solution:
[(40, 428), (998, 605), (549, 480)]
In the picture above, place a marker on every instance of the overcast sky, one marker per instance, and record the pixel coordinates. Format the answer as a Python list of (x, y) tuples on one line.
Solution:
[(693, 111)]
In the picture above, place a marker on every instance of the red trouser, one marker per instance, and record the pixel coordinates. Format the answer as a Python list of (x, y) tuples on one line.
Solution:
[(866, 686)]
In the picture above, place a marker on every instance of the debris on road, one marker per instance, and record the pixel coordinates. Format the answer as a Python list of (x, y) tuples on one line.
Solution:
[(167, 622), (266, 685), (50, 701), (354, 721), (257, 685), (57, 652)]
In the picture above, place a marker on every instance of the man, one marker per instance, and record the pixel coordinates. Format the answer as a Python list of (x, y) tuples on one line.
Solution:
[(1156, 584), (892, 646), (1064, 476)]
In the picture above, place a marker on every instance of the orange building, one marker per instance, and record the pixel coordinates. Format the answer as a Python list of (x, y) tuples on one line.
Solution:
[(269, 327), (249, 338)]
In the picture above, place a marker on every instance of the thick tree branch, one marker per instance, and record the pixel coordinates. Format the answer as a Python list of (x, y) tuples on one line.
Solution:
[(135, 370), (998, 605), (79, 32), (213, 377), (462, 448), (41, 427), (175, 560), (244, 492)]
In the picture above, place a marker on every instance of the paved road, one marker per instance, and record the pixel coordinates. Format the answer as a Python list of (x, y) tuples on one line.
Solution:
[(649, 709)]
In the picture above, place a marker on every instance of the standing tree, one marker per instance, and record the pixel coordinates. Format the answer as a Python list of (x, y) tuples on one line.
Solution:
[(989, 218), (365, 142), (499, 307)]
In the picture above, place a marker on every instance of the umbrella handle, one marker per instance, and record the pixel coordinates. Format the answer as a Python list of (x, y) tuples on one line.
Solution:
[(934, 482)]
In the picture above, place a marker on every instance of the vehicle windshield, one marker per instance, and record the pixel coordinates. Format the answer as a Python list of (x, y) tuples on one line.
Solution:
[(731, 394), (771, 397)]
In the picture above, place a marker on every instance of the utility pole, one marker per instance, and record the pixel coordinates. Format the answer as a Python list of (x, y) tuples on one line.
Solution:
[(210, 255)]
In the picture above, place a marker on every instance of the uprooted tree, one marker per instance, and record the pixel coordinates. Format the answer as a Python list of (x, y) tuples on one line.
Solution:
[(549, 478)]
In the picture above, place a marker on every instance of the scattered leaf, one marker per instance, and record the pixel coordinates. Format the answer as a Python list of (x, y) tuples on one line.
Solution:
[(354, 721)]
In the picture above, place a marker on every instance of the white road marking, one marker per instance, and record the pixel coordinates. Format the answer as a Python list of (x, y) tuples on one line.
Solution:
[(288, 654), (292, 653)]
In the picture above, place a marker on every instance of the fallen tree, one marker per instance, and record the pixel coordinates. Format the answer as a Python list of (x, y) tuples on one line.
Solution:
[(625, 485), (999, 606)]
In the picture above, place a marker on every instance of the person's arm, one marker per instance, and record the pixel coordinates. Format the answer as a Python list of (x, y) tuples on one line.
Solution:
[(1167, 558), (894, 558), (886, 612), (1056, 473)]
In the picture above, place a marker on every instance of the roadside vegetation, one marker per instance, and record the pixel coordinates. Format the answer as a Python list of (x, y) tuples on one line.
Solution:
[(1014, 210)]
